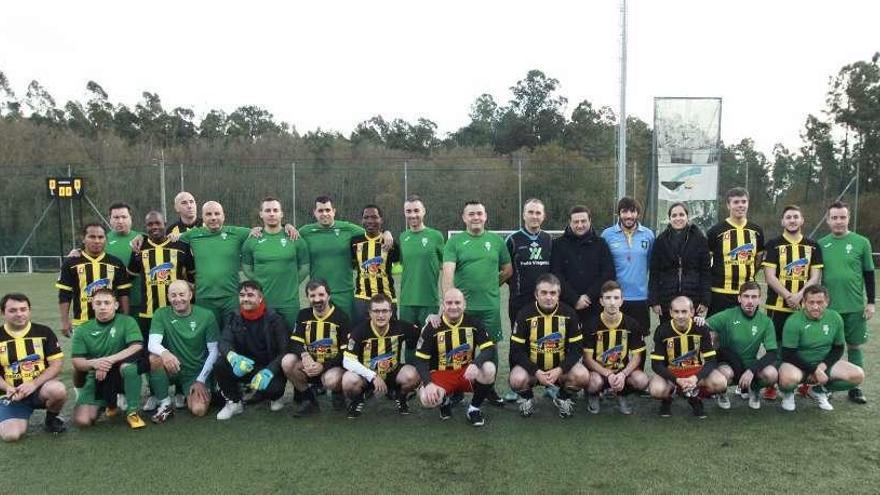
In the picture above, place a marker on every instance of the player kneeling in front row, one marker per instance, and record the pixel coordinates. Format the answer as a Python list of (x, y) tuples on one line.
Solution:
[(317, 343), (614, 346), (812, 345), (183, 349), (683, 360), (373, 358), (30, 360), (546, 348), (253, 342), (739, 333), (108, 349), (448, 362)]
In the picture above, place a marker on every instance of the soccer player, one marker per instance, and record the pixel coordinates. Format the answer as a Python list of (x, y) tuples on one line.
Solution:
[(373, 362), (683, 360), (187, 209), (108, 350), (372, 263), (614, 351), (476, 262), (736, 245), (529, 249), (276, 261), (739, 333), (582, 262), (252, 345), (216, 249), (421, 253), (183, 349), (30, 360), (448, 362), (630, 243), (545, 348), (119, 245), (812, 345), (849, 276), (318, 342)]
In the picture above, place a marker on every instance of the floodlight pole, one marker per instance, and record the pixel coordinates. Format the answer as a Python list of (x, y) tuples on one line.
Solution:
[(621, 126)]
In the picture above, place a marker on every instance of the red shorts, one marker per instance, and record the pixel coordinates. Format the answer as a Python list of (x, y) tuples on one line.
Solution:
[(685, 373), (452, 381)]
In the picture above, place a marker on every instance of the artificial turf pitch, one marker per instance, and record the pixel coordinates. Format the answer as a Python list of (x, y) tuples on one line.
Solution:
[(739, 450)]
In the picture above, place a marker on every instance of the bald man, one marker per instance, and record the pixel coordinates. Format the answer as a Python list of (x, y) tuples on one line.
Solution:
[(186, 207)]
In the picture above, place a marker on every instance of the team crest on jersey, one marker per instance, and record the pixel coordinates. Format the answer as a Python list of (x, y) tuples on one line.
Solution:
[(162, 272), (797, 267), (192, 326), (112, 332), (2, 349), (825, 329), (535, 251), (224, 235), (101, 283), (424, 241), (754, 330), (488, 246), (336, 231), (849, 248), (459, 354), (284, 242), (372, 265), (552, 342), (645, 244), (613, 355), (727, 236), (382, 362), (81, 270)]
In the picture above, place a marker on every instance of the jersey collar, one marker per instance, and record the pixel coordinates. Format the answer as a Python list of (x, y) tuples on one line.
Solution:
[(332, 309), (608, 323), (99, 258), (542, 313), (17, 334), (676, 330), (731, 222), (450, 324), (531, 237), (161, 244), (376, 332), (791, 239)]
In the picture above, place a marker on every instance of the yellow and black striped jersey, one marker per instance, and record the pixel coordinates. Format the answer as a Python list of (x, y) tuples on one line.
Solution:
[(322, 337), (373, 267), (545, 340), (614, 345), (82, 275), (792, 260), (26, 353), (381, 351), (682, 351), (452, 346), (159, 265), (735, 250), (179, 227)]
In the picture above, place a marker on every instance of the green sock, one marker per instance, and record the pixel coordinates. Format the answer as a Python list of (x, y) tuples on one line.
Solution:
[(839, 385), (757, 384), (788, 390), (855, 356), (159, 383), (132, 384)]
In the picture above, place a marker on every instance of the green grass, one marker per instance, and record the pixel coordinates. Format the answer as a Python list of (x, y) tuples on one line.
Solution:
[(731, 451)]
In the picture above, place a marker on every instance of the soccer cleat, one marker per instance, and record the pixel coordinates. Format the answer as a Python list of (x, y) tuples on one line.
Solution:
[(803, 390), (565, 407), (755, 399), (526, 407), (446, 408), (151, 403), (402, 405), (665, 408), (355, 407), (111, 412), (788, 403), (744, 395), (511, 396), (856, 395), (54, 425), (623, 405), (134, 420), (307, 408), (697, 408), (276, 405), (494, 399), (163, 414), (770, 393), (723, 400), (179, 401), (475, 417), (593, 403), (230, 409), (456, 398), (337, 401), (821, 398)]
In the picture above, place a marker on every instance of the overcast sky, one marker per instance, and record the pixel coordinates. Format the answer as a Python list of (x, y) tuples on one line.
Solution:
[(333, 64)]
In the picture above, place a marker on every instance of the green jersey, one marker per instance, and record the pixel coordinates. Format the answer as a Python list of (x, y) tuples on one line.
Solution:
[(477, 259), (846, 258), (330, 253), (187, 336), (276, 261), (742, 335), (94, 339), (120, 246), (218, 259), (420, 254), (813, 338)]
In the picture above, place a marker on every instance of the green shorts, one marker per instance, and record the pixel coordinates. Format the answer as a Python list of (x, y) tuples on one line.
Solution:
[(184, 381), (416, 314), (344, 301), (491, 319), (289, 313), (855, 328)]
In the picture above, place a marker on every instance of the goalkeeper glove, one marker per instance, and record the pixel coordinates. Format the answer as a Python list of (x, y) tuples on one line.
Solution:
[(240, 365), (261, 380)]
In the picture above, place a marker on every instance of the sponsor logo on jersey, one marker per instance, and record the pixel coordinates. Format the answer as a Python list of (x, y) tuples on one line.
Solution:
[(372, 265), (25, 364), (161, 273), (321, 346), (459, 354), (550, 342), (613, 355), (382, 362), (261, 241), (797, 267), (742, 253), (688, 358), (535, 252), (101, 283)]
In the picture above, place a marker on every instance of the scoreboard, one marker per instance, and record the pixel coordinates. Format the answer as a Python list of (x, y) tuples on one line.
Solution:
[(65, 187)]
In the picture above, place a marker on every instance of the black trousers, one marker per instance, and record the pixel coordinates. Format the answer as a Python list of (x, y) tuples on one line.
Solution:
[(720, 302), (638, 310), (230, 384), (779, 318)]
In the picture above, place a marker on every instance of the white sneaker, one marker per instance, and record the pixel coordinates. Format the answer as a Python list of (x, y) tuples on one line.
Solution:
[(230, 409), (121, 403), (526, 407), (179, 401), (723, 400), (276, 405), (565, 407), (593, 403), (623, 405), (743, 394), (151, 404), (821, 399), (788, 401), (754, 399)]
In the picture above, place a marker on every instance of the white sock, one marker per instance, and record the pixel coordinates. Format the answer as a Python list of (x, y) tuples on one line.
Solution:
[(165, 402), (472, 408)]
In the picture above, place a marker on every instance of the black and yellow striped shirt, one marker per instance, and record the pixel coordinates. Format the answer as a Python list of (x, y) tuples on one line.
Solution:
[(682, 351), (322, 337), (792, 260), (544, 340), (26, 353), (381, 351), (179, 227), (735, 250), (81, 276), (373, 267), (159, 265), (452, 346), (613, 346)]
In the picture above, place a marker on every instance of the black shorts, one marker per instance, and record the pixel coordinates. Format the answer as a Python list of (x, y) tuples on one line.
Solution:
[(720, 302), (779, 318), (390, 382)]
